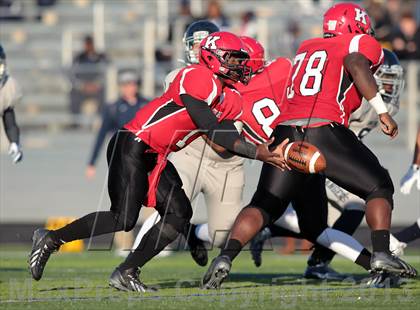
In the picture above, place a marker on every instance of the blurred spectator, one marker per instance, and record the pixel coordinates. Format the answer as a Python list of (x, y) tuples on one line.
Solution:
[(248, 24), (165, 53), (383, 21), (45, 3), (406, 38), (117, 114), (88, 75), (215, 15), (11, 10), (292, 38)]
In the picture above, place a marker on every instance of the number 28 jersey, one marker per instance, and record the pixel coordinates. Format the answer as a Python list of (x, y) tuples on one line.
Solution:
[(319, 86)]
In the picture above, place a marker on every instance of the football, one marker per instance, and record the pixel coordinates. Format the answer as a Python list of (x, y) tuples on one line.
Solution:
[(304, 157)]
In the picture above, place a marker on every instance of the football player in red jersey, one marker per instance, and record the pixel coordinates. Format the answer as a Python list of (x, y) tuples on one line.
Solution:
[(329, 78), (260, 107), (262, 100), (192, 106)]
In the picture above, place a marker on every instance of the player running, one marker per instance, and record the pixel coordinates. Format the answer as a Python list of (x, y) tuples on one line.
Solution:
[(219, 177), (389, 78), (10, 95), (330, 77), (137, 156), (222, 180)]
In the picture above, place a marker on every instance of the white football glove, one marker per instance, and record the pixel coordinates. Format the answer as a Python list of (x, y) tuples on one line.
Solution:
[(412, 176), (15, 152)]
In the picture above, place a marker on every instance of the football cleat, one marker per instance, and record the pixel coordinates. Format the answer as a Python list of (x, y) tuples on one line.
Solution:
[(197, 247), (217, 272), (128, 280), (199, 254), (382, 280), (323, 271), (257, 245), (387, 262), (43, 246)]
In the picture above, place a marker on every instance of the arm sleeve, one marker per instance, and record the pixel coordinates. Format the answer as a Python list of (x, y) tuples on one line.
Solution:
[(106, 126), (368, 47), (10, 125), (224, 133)]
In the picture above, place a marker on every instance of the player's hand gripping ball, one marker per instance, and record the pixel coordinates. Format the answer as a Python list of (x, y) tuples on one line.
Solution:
[(304, 157)]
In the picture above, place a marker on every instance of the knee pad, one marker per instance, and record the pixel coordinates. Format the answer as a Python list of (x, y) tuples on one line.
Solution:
[(384, 190), (270, 206)]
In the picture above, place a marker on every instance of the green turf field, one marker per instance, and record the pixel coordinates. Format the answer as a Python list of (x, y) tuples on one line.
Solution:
[(79, 281)]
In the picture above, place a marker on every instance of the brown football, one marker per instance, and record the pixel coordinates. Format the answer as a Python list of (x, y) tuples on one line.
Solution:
[(304, 157)]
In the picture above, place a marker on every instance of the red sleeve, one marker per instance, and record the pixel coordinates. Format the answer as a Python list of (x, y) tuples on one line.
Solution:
[(368, 46), (199, 84), (232, 105)]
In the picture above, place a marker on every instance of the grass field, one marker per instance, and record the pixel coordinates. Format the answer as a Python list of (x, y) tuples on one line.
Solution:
[(79, 281)]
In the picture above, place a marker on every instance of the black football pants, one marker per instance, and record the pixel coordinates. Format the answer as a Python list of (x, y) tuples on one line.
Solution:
[(350, 164), (129, 165)]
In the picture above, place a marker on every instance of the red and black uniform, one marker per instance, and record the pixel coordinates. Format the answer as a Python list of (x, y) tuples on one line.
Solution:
[(193, 105), (320, 87), (320, 99), (262, 99), (166, 126)]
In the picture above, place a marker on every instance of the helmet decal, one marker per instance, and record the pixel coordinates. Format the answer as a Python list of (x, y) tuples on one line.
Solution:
[(211, 42), (360, 16)]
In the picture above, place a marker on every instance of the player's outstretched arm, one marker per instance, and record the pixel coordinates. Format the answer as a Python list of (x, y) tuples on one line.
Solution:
[(226, 135), (12, 132), (358, 66)]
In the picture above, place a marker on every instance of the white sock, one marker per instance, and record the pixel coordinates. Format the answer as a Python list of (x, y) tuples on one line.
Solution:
[(148, 223), (289, 220), (202, 232), (341, 243)]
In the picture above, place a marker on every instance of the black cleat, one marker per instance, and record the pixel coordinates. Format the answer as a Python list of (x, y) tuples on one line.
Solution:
[(199, 254), (197, 247), (323, 271), (128, 280), (43, 246), (386, 262), (257, 245), (382, 280), (217, 272)]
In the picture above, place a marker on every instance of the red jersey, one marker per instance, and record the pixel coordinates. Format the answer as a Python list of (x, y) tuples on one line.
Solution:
[(262, 99), (319, 86), (164, 123)]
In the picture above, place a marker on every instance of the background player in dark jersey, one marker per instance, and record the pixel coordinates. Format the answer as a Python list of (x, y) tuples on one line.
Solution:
[(317, 111), (116, 114), (192, 106)]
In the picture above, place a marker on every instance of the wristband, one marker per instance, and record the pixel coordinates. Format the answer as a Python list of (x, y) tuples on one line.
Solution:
[(378, 104)]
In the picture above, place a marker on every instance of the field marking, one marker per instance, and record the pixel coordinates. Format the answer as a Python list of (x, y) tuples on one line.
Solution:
[(153, 297)]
